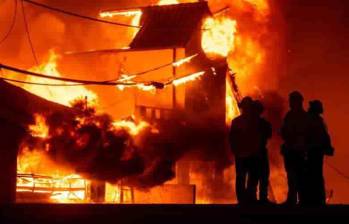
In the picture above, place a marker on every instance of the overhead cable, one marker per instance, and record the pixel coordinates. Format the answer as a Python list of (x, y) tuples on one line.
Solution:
[(79, 15), (174, 64), (41, 84), (12, 25), (26, 26), (80, 81), (339, 172)]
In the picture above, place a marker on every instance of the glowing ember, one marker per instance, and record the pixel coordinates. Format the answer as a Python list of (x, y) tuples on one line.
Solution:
[(188, 78), (62, 94), (39, 129), (218, 36)]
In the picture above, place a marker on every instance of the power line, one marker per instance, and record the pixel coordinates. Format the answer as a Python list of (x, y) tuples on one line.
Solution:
[(82, 82), (12, 25), (79, 15), (222, 10), (89, 82), (113, 82), (41, 84), (175, 64), (28, 34), (86, 82), (339, 172), (156, 84)]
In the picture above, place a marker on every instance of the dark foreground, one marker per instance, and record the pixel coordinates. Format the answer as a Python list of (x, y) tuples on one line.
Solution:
[(165, 214)]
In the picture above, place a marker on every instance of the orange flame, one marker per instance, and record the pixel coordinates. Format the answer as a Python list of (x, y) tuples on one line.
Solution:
[(71, 188), (62, 94), (184, 60), (37, 174), (132, 128), (218, 36), (188, 78), (140, 86), (40, 128)]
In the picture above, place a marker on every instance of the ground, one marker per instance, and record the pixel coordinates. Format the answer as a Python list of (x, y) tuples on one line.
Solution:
[(166, 214)]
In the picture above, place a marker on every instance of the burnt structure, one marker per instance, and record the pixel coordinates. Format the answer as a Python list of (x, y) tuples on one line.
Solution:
[(163, 27), (180, 27), (16, 113)]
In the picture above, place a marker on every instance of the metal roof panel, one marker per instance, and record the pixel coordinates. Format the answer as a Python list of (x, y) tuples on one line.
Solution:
[(169, 26)]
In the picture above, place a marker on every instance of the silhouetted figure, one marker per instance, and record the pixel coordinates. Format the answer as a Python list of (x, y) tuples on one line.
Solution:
[(265, 130), (245, 144), (319, 146), (295, 132)]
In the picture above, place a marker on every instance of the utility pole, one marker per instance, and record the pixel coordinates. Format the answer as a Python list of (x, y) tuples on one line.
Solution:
[(174, 74)]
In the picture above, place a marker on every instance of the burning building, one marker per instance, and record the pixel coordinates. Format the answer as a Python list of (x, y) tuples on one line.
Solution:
[(173, 144)]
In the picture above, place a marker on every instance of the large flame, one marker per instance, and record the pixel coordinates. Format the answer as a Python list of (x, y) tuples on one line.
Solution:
[(218, 36), (221, 37), (37, 174), (59, 94)]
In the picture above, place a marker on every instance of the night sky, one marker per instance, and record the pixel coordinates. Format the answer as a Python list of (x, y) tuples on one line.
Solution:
[(317, 60)]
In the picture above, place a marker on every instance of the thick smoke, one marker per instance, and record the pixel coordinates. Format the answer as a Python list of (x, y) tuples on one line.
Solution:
[(89, 144)]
